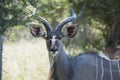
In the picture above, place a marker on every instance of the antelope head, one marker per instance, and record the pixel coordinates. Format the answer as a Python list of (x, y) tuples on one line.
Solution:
[(53, 37)]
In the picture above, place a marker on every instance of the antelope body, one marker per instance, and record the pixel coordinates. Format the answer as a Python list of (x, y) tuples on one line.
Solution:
[(86, 66)]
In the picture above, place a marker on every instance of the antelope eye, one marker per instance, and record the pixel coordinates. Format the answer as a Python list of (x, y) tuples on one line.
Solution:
[(49, 42)]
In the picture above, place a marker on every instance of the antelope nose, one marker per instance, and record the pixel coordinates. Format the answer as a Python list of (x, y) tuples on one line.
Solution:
[(54, 49)]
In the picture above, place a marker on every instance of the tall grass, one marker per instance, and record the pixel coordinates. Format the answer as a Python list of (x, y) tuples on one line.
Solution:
[(25, 60)]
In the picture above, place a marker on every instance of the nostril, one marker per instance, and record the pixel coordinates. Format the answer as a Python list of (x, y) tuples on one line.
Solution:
[(53, 49)]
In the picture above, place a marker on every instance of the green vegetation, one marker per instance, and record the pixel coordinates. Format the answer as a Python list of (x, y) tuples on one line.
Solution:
[(106, 12), (100, 17)]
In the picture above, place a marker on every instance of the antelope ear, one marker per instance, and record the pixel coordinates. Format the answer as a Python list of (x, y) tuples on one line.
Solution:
[(37, 30), (70, 31)]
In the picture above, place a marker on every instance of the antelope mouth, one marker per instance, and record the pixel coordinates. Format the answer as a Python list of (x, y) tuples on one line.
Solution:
[(53, 53)]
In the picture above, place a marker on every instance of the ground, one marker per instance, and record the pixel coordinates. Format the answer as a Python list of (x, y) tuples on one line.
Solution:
[(25, 60)]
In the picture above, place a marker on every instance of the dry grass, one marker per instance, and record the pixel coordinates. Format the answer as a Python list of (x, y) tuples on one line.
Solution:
[(25, 60)]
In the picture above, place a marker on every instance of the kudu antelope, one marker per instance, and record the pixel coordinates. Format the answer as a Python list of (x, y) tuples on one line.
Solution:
[(88, 66)]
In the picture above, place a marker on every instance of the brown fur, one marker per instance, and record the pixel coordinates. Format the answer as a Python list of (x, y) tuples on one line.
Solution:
[(71, 29)]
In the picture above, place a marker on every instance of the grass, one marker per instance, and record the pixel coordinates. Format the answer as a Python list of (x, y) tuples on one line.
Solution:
[(25, 60)]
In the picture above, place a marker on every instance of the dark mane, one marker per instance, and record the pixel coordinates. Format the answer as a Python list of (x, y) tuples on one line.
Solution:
[(93, 52)]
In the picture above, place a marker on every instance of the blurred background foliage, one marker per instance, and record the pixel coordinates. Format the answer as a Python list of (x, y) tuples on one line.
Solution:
[(98, 24), (107, 13)]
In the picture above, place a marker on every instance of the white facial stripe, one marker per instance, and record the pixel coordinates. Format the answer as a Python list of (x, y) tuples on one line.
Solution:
[(53, 40)]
